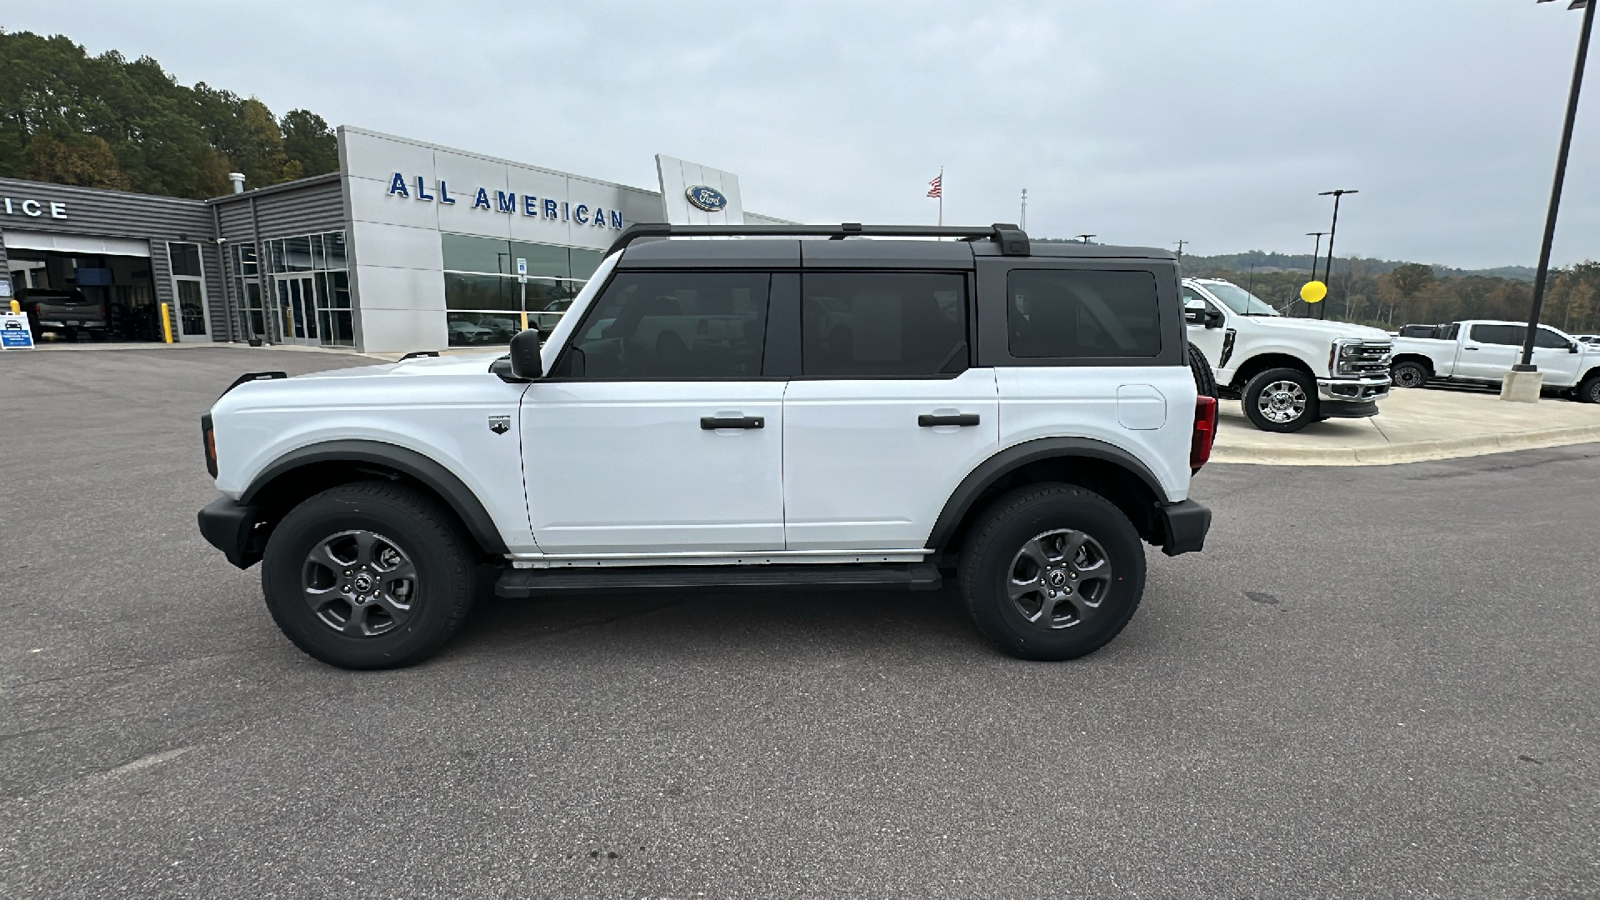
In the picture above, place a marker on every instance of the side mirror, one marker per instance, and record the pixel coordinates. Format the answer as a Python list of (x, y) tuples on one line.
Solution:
[(1213, 318), (1572, 348), (526, 363)]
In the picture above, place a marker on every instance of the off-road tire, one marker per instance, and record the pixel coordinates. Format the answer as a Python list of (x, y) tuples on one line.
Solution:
[(987, 571), (1589, 390), (1306, 399), (424, 535), (1409, 374), (1205, 383)]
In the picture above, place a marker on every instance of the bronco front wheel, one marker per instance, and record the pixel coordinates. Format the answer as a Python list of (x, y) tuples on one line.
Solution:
[(368, 575)]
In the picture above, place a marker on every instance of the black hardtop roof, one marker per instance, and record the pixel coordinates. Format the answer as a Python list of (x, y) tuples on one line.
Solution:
[(775, 245)]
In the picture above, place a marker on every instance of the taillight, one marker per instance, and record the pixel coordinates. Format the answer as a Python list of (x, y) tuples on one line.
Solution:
[(208, 437), (1205, 432)]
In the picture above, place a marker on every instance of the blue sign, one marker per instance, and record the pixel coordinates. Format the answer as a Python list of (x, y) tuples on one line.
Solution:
[(510, 203), (14, 333), (707, 198)]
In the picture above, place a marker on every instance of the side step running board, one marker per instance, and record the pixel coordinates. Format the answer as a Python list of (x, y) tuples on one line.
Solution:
[(518, 583)]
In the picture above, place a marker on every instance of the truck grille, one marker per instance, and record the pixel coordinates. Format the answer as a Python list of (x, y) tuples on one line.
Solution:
[(1367, 358)]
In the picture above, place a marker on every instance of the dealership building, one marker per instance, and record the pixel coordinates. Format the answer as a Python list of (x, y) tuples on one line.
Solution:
[(409, 246)]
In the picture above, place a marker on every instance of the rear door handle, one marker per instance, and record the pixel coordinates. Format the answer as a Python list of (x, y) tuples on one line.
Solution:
[(962, 419), (712, 423)]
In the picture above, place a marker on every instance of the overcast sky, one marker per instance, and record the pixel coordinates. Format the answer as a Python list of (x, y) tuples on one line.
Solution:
[(1215, 121)]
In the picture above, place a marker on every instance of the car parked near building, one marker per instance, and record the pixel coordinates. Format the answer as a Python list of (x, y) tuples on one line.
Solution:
[(1482, 351), (1286, 373), (756, 414), (64, 314)]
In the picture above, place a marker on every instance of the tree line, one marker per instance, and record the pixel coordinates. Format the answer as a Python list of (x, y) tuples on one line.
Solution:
[(1415, 293), (106, 122)]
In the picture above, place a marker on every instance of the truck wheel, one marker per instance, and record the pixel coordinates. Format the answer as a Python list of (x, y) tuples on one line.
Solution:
[(1409, 375), (1204, 382), (1589, 390), (369, 575), (1281, 400), (1051, 572)]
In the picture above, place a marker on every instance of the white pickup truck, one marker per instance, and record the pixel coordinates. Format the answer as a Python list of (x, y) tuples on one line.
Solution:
[(1482, 351), (1286, 372)]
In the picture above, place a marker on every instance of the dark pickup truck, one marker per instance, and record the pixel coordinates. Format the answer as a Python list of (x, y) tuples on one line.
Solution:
[(65, 313)]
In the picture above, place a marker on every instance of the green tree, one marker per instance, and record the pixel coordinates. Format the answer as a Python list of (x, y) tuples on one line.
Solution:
[(308, 140), (82, 159)]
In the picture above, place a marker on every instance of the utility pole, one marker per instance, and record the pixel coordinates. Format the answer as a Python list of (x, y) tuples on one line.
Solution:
[(1543, 272), (1316, 253), (1181, 242), (1024, 225), (1328, 278), (1084, 238)]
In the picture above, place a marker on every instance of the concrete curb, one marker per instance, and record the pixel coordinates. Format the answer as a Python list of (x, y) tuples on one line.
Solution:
[(1417, 451)]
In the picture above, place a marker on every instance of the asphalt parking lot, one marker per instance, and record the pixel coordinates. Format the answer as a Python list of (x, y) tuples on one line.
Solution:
[(1381, 682)]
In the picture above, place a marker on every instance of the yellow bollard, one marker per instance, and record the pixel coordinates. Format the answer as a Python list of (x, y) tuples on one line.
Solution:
[(16, 307), (524, 318), (166, 324)]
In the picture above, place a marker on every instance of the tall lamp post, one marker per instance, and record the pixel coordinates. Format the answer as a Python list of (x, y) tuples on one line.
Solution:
[(1316, 254), (1327, 277), (1084, 238), (1526, 387)]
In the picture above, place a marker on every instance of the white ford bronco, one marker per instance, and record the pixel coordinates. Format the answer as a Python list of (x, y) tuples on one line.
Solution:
[(1286, 372), (778, 411)]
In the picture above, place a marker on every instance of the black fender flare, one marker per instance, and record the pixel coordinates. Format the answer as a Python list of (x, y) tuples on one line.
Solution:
[(1015, 457), (429, 473)]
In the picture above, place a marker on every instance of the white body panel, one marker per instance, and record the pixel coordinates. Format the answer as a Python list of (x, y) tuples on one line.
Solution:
[(1045, 402), (1466, 359), (617, 466), (442, 413), (1308, 340), (860, 473)]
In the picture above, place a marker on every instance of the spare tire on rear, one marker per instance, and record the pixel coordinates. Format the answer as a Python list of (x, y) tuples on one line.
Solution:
[(1204, 382)]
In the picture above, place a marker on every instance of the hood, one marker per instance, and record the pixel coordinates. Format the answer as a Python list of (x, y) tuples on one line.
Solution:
[(1322, 326), (455, 364)]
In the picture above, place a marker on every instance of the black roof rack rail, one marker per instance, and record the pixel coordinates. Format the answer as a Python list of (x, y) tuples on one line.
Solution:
[(1013, 241)]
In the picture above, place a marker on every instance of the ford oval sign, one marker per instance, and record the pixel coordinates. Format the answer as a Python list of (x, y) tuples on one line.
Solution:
[(707, 198)]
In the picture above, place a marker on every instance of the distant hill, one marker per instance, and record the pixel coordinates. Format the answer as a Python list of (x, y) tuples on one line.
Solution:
[(1263, 262)]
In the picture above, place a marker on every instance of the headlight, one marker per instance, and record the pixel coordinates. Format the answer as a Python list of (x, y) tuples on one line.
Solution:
[(1348, 349)]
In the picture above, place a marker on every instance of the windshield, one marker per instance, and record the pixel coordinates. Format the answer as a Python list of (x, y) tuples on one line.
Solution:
[(1240, 300)]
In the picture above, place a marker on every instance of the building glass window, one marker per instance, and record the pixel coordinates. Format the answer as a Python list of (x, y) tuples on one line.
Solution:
[(487, 303), (310, 291), (188, 290)]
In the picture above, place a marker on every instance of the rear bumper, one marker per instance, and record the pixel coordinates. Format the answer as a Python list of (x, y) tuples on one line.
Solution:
[(1184, 525), (231, 528)]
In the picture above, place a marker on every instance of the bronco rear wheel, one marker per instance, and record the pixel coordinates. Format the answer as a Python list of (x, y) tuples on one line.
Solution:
[(1052, 572)]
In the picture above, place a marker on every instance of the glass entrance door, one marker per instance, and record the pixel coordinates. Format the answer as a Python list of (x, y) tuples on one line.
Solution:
[(297, 309)]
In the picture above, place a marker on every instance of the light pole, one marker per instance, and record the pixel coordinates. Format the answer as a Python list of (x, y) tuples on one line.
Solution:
[(1588, 7), (1084, 238), (1024, 225), (1316, 253), (1327, 277), (1181, 242)]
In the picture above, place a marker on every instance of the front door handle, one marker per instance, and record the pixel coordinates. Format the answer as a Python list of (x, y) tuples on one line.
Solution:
[(962, 419), (712, 423)]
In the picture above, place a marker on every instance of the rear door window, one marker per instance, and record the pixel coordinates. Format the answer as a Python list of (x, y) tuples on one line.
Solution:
[(673, 325), (1510, 335), (1060, 313), (883, 324)]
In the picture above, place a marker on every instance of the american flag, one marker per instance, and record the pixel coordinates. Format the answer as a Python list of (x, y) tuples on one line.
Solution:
[(936, 186)]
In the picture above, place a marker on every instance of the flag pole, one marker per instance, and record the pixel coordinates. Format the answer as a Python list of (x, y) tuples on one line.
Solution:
[(941, 195)]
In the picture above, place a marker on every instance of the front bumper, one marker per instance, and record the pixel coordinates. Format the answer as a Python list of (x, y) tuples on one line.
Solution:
[(1353, 390), (1184, 525), (231, 528)]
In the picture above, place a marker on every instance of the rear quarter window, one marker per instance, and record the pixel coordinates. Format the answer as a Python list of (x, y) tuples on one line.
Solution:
[(1063, 313)]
